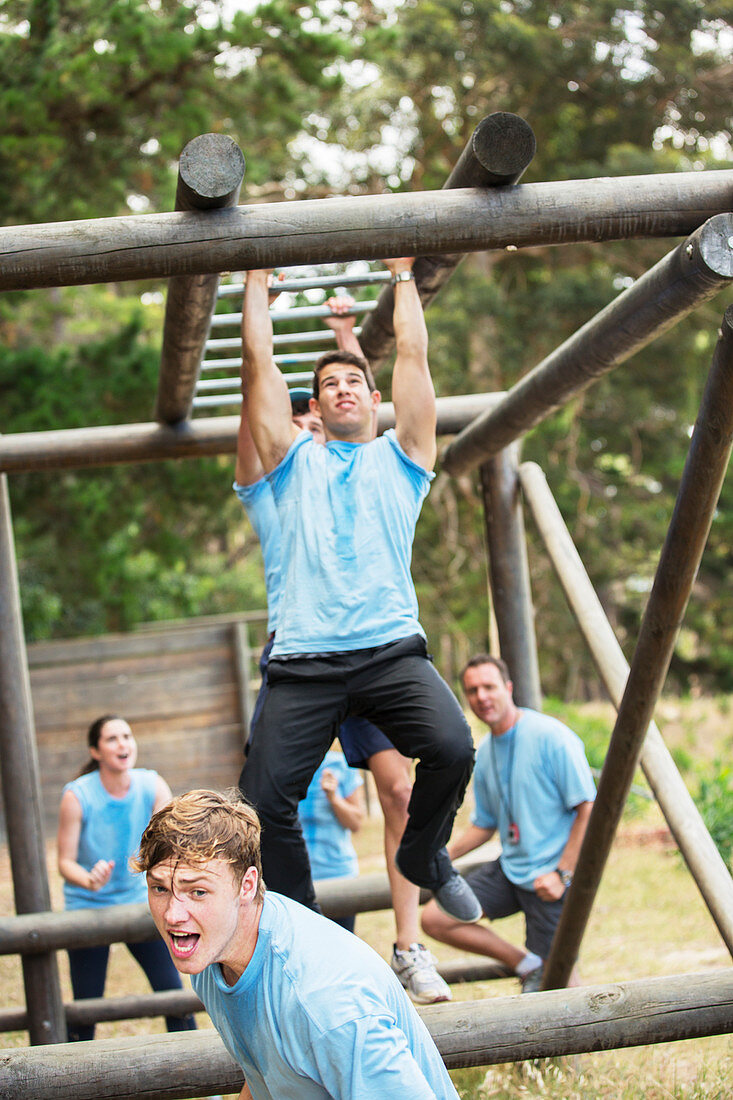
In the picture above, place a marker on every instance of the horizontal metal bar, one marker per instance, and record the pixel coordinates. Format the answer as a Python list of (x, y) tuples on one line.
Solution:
[(233, 400), (281, 360), (234, 343), (335, 230), (296, 313), (311, 282)]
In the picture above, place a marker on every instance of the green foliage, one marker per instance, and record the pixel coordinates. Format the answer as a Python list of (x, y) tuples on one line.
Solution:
[(97, 100), (99, 97), (715, 803), (102, 550)]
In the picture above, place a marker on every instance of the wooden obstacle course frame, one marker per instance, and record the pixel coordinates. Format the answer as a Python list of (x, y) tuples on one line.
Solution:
[(445, 224)]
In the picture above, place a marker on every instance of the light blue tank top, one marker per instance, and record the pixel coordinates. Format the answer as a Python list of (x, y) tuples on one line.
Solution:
[(111, 829)]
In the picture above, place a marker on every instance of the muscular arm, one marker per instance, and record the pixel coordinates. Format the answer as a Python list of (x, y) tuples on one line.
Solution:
[(268, 405), (549, 887), (412, 387), (249, 468), (472, 838), (70, 821)]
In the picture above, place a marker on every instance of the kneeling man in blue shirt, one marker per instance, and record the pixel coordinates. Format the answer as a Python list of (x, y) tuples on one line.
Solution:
[(533, 785), (307, 1010)]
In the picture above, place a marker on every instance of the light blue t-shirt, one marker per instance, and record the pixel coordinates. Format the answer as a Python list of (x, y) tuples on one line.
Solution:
[(259, 504), (347, 520), (111, 829), (318, 1015), (331, 852), (542, 776)]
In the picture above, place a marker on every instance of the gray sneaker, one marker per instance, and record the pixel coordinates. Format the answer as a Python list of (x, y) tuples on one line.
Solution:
[(415, 968), (531, 982), (456, 898)]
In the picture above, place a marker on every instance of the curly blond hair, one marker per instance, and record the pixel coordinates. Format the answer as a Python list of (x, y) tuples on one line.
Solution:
[(203, 825)]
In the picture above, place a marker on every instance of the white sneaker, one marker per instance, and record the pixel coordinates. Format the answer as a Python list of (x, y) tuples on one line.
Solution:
[(415, 968)]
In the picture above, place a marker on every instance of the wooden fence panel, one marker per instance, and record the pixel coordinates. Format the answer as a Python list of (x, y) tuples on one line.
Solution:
[(177, 686)]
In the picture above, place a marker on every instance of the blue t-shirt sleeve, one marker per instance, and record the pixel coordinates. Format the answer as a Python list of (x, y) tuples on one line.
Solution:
[(278, 478), (371, 1057), (349, 779), (570, 768), (417, 473)]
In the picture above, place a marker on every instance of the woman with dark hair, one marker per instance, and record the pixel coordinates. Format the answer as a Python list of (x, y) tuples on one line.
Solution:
[(102, 817)]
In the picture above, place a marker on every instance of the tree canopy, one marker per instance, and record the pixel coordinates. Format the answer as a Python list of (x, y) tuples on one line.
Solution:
[(98, 100)]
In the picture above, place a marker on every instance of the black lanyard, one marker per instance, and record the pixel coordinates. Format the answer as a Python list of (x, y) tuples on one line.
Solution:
[(513, 830)]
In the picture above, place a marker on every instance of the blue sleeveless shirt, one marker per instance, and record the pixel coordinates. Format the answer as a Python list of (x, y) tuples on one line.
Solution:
[(111, 829)]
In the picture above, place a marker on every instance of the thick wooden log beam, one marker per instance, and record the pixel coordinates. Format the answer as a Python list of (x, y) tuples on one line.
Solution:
[(467, 1033), (75, 448), (697, 499), (21, 789), (685, 822), (154, 246), (183, 1002), (498, 153), (210, 174), (691, 274), (36, 932)]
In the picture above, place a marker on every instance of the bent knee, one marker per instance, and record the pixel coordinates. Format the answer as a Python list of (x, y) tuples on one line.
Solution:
[(434, 921), (394, 798)]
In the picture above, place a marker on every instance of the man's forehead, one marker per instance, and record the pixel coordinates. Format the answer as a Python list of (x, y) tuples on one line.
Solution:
[(337, 370), (486, 672), (188, 872)]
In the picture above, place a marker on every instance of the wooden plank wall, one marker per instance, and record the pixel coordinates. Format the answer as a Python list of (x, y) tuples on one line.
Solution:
[(179, 687)]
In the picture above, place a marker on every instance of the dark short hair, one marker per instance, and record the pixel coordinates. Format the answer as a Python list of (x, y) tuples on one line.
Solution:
[(487, 659), (349, 359)]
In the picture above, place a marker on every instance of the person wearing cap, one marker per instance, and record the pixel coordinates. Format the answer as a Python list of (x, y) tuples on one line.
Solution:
[(364, 745), (348, 639)]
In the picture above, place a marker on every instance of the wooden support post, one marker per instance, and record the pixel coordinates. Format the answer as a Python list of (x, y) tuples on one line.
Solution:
[(210, 174), (705, 862), (22, 791), (467, 1033), (691, 274), (498, 153), (509, 574), (369, 227), (242, 664), (679, 561), (76, 448)]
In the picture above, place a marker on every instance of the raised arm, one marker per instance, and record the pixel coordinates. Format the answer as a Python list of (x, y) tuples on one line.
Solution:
[(248, 468), (268, 405), (342, 322), (412, 387)]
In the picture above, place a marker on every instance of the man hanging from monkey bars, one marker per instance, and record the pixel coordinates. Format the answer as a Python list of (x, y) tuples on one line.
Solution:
[(348, 640), (364, 746)]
